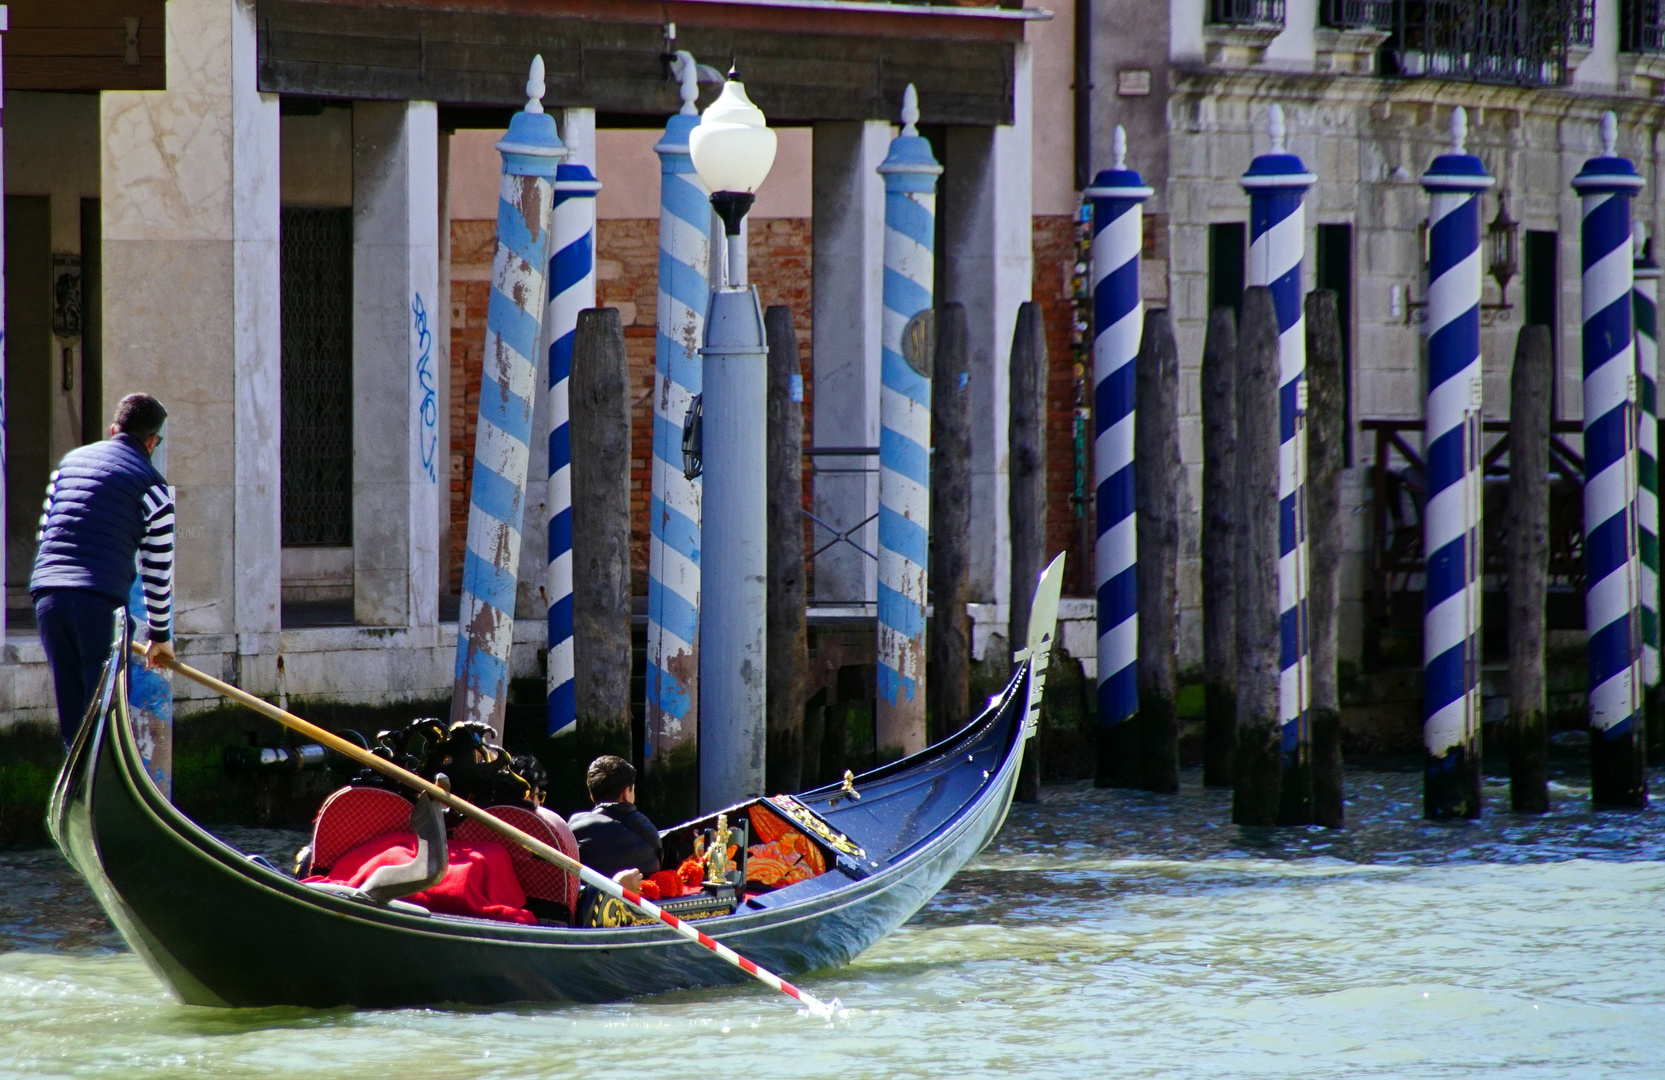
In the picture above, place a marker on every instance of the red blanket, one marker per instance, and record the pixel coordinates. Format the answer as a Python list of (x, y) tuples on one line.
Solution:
[(479, 882)]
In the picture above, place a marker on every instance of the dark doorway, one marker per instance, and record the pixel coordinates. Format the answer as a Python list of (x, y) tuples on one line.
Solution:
[(28, 378), (1541, 289), (1227, 264), (1335, 271), (93, 419)]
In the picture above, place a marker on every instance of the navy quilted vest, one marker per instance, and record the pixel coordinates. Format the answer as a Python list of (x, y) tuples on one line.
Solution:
[(97, 520)]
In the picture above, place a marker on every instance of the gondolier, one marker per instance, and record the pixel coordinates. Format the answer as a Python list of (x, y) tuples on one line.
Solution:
[(108, 516)]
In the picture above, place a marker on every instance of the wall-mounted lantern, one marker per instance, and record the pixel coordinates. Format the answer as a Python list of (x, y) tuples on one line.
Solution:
[(1503, 247)]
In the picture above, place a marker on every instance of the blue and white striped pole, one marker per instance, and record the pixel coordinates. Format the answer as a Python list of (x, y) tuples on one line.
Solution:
[(1451, 522), (673, 670), (910, 172), (1646, 296), (1117, 195), (1277, 182), (571, 290), (503, 436), (1612, 566)]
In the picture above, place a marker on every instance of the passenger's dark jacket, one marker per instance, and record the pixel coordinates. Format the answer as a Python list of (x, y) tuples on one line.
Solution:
[(616, 836)]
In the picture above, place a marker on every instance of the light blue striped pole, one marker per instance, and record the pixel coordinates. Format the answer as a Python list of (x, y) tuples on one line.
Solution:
[(1612, 566), (673, 677), (910, 172), (1451, 521), (1118, 196), (1277, 183), (571, 290), (1646, 297), (503, 436)]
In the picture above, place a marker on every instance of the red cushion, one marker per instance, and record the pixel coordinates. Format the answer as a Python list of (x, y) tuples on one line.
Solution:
[(537, 878), (479, 882), (352, 816)]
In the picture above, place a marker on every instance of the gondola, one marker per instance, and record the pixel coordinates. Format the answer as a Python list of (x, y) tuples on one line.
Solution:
[(222, 928)]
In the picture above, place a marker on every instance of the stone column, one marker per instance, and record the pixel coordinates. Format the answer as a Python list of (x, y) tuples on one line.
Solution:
[(3, 28), (849, 227), (988, 265), (190, 221), (398, 459)]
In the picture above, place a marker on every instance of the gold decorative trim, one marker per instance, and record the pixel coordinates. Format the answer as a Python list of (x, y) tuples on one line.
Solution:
[(808, 820)]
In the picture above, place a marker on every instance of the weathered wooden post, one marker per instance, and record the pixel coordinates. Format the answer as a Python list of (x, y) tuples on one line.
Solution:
[(599, 391), (1612, 568), (1527, 548), (1277, 183), (788, 634), (1646, 301), (949, 687), (1156, 481), (910, 173), (671, 695), (1258, 768), (1219, 556), (1026, 440), (1118, 195), (1326, 405), (503, 439), (571, 291)]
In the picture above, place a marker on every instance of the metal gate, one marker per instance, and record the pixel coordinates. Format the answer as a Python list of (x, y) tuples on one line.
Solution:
[(317, 393)]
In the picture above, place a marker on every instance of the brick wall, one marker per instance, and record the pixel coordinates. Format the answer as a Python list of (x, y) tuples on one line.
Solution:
[(1054, 247)]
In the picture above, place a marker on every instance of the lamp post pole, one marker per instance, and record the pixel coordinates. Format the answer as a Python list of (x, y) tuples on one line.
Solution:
[(732, 150), (1612, 569)]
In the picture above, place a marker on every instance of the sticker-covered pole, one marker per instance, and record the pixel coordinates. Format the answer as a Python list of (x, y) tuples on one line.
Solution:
[(503, 435), (910, 173), (1451, 522), (1612, 567)]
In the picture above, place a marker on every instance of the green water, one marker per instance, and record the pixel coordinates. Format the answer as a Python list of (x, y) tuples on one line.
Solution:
[(1103, 934)]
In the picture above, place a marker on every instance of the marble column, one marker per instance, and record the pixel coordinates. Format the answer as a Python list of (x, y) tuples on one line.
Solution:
[(849, 227), (397, 455), (190, 308)]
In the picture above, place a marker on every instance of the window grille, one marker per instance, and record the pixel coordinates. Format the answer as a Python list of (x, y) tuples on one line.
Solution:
[(1246, 12), (1519, 42), (1642, 26), (316, 255), (1358, 14)]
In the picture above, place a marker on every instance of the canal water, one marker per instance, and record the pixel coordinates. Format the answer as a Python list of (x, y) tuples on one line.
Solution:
[(1103, 934)]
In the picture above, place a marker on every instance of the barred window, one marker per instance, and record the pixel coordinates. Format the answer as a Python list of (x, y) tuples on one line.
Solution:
[(1358, 14), (1642, 26), (317, 381), (1519, 42), (1246, 12)]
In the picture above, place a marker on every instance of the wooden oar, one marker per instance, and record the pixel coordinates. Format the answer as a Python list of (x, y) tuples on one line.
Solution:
[(531, 843)]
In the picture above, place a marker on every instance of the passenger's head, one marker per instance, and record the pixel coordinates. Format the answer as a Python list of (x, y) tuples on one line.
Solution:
[(530, 769), (609, 778), (140, 416)]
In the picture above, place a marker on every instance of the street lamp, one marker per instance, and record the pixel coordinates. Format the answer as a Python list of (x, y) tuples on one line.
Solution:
[(732, 150), (1503, 247)]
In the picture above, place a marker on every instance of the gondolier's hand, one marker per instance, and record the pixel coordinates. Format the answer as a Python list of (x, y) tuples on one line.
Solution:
[(630, 879), (158, 653)]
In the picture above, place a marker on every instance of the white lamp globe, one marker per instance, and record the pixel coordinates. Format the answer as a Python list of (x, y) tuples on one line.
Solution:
[(732, 146)]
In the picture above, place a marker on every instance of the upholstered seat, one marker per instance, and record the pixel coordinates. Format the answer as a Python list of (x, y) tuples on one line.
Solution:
[(537, 878), (352, 816)]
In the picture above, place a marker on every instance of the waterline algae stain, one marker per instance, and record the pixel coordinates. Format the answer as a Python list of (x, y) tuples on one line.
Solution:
[(1117, 931)]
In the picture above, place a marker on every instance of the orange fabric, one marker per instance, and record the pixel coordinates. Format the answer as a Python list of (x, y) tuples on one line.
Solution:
[(480, 881), (767, 825), (791, 858)]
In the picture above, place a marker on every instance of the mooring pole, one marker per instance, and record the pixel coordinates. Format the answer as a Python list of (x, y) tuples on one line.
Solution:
[(1612, 568), (571, 290), (1118, 196), (1258, 769), (503, 437), (949, 691), (1527, 548), (673, 663), (1026, 497), (1452, 447), (1156, 481), (1326, 407), (1646, 299), (1219, 561), (1277, 183), (910, 173), (788, 638)]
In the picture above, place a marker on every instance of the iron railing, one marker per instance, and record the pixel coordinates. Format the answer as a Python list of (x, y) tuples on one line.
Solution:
[(1246, 12), (1357, 14), (1518, 42), (1642, 26), (316, 273)]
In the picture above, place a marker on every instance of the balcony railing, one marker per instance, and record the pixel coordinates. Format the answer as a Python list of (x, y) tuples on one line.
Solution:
[(1358, 14), (1518, 42), (1246, 12), (1642, 26)]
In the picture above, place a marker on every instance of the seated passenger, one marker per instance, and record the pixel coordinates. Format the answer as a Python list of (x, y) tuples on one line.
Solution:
[(531, 770), (615, 838)]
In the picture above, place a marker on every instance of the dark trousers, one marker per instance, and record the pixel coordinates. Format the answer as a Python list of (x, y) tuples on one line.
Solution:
[(76, 629)]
